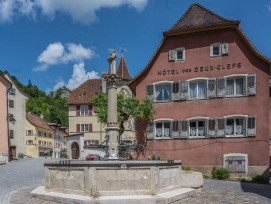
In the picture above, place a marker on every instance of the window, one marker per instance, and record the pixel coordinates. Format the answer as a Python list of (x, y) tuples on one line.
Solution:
[(91, 142), (162, 92), (11, 103), (12, 92), (235, 126), (84, 127), (218, 49), (235, 86), (29, 132), (177, 54), (197, 89), (83, 110), (197, 128), (11, 134), (162, 129), (236, 163), (45, 134), (29, 142)]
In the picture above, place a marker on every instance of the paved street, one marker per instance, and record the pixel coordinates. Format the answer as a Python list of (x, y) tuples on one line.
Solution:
[(19, 174), (19, 178)]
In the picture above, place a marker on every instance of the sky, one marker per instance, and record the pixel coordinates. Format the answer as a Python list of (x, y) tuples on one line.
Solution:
[(57, 43)]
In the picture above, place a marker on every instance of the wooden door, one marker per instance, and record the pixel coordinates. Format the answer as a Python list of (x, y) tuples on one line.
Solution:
[(75, 150)]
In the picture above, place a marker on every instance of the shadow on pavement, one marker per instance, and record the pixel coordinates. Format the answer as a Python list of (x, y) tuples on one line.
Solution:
[(256, 188)]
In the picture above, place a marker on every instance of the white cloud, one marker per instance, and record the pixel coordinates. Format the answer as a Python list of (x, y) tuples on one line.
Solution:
[(79, 76), (82, 11), (56, 53), (6, 10)]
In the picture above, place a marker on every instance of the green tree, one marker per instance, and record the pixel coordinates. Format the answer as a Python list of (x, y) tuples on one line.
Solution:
[(127, 108)]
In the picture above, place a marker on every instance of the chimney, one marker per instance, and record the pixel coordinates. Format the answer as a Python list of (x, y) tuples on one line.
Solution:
[(41, 116), (103, 81)]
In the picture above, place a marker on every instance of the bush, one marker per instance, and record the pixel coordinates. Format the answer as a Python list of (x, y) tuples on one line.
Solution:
[(220, 173), (186, 168), (258, 179)]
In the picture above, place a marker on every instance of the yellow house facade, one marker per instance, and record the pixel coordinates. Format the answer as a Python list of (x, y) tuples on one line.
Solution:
[(39, 136)]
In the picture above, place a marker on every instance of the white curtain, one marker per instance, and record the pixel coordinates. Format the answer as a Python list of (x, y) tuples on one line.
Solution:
[(158, 93), (193, 90), (202, 89), (230, 87), (167, 91), (239, 86)]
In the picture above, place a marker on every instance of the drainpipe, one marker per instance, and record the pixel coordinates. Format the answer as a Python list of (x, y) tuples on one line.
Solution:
[(8, 124)]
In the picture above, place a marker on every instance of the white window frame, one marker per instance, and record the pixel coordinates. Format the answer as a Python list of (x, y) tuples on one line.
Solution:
[(84, 127), (234, 85), (83, 110), (173, 54), (182, 50), (12, 92), (163, 121), (225, 156), (223, 49), (197, 120), (197, 80), (235, 117), (162, 83)]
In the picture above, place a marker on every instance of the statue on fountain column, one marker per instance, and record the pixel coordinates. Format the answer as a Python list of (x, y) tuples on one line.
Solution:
[(112, 62)]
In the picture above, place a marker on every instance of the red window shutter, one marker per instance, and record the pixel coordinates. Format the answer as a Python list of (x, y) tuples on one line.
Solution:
[(90, 110), (96, 141), (85, 142), (77, 127), (77, 110), (90, 127)]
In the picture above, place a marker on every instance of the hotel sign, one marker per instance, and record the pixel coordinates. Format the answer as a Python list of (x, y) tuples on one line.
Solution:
[(207, 68)]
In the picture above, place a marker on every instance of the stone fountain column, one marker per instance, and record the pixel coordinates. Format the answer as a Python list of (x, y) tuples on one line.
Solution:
[(112, 129)]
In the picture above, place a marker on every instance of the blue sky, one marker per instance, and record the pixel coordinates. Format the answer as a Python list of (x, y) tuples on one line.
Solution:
[(64, 42)]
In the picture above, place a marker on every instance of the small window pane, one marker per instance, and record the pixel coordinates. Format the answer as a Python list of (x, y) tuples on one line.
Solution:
[(179, 54), (215, 50)]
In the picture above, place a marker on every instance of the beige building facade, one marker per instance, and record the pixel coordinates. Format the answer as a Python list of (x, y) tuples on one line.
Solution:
[(17, 116)]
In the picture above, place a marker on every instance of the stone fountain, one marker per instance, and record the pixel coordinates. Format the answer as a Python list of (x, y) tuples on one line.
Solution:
[(116, 181)]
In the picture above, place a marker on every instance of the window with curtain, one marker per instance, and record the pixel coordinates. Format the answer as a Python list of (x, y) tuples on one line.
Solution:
[(162, 129), (197, 89), (235, 126), (235, 86), (162, 92), (84, 110), (197, 128)]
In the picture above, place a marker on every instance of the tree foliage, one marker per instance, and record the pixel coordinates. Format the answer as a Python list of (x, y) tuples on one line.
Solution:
[(127, 108)]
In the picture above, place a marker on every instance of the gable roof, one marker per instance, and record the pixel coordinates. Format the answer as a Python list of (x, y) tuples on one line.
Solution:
[(84, 93), (123, 70), (5, 82), (185, 25), (198, 17), (37, 121), (9, 78)]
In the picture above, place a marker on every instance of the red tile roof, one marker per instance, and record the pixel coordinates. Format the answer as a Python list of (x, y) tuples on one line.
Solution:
[(37, 121), (198, 17), (123, 70), (84, 93)]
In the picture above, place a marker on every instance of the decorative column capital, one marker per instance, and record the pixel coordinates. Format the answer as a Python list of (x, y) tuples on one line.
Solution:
[(112, 80)]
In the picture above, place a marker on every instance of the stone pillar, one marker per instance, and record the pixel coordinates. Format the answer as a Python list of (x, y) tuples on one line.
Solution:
[(112, 129)]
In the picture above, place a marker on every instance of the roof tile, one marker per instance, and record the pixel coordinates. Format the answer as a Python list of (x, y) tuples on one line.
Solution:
[(84, 93)]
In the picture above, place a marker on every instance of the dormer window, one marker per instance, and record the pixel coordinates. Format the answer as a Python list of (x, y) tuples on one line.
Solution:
[(177, 54)]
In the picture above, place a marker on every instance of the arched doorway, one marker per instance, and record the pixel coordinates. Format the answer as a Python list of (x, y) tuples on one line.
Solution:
[(75, 150)]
